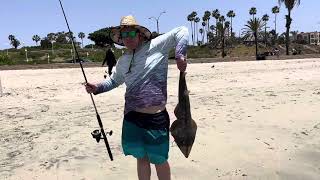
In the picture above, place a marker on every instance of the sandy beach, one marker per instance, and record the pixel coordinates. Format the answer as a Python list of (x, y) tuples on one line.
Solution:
[(257, 120)]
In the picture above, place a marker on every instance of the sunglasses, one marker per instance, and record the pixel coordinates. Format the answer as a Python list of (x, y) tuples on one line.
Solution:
[(131, 34)]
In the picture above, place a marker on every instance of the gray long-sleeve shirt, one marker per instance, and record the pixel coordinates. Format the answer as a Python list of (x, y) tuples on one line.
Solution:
[(146, 82)]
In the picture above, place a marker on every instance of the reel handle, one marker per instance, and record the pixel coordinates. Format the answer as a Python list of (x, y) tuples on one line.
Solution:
[(96, 134)]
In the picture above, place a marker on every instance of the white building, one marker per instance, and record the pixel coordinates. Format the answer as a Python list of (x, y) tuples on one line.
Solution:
[(315, 38), (309, 37)]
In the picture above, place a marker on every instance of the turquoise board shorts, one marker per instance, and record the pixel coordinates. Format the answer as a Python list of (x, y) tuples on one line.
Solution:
[(146, 135)]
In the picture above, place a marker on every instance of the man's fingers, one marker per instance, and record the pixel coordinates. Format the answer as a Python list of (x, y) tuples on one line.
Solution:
[(90, 88), (182, 65), (89, 85)]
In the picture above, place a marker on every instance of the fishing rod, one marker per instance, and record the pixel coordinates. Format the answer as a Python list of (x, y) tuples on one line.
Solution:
[(96, 134)]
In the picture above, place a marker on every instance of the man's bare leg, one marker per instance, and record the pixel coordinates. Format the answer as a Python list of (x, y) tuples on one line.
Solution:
[(163, 171), (144, 170)]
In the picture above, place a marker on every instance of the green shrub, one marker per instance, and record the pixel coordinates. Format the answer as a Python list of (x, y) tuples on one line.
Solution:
[(201, 52), (97, 56), (4, 60)]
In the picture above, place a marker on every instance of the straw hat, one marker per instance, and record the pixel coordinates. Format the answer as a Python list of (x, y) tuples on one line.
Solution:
[(125, 22)]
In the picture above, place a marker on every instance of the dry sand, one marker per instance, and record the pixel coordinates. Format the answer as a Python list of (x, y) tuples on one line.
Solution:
[(256, 120)]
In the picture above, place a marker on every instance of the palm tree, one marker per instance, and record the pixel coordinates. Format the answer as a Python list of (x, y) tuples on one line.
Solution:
[(212, 28), (203, 27), (81, 35), (190, 18), (216, 15), (194, 15), (207, 14), (290, 4), (196, 21), (275, 11), (204, 20), (201, 32), (227, 25), (222, 27), (222, 19), (253, 11), (273, 35), (231, 15), (253, 30), (265, 19), (36, 38), (69, 36), (14, 41), (11, 37)]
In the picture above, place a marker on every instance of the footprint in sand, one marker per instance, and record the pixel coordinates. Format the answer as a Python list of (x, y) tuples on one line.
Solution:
[(28, 116), (45, 99), (264, 107), (80, 157), (317, 126), (44, 108), (72, 150), (60, 114), (295, 94), (272, 95), (316, 93), (9, 116), (48, 127), (14, 154), (50, 163), (28, 96), (86, 108)]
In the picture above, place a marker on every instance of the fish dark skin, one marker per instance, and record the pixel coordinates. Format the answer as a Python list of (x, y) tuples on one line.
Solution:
[(183, 129)]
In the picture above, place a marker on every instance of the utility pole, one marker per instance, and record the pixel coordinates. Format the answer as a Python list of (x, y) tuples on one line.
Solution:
[(26, 50)]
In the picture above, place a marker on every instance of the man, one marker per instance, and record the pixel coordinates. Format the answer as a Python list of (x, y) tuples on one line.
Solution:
[(144, 69), (110, 60)]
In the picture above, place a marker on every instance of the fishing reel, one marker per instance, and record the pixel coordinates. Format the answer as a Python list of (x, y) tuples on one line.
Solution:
[(96, 134)]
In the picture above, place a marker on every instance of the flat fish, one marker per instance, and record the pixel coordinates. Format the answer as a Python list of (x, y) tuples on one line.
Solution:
[(183, 129)]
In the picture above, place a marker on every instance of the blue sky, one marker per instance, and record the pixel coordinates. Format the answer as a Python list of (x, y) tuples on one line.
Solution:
[(25, 18)]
